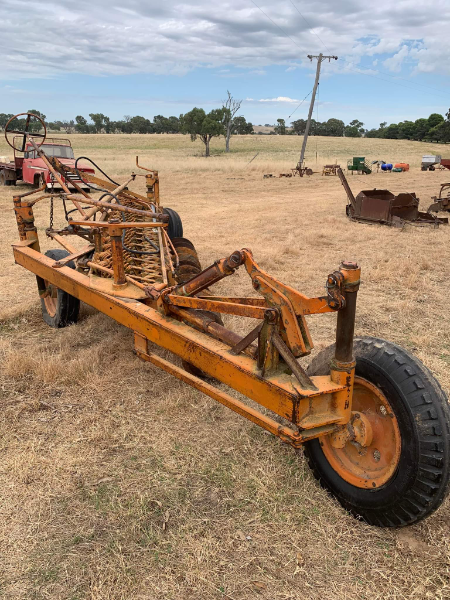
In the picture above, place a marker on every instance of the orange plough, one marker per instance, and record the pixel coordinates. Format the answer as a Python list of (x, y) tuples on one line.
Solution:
[(371, 418)]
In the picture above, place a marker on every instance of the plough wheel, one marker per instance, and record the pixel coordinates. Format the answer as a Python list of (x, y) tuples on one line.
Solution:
[(189, 266), (403, 475), (175, 227), (59, 308)]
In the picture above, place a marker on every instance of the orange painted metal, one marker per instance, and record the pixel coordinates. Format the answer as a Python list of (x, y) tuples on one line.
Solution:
[(366, 451), (229, 308), (287, 434), (279, 392), (181, 317)]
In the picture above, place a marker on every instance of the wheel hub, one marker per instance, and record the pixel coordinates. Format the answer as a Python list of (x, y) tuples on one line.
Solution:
[(365, 452), (50, 297)]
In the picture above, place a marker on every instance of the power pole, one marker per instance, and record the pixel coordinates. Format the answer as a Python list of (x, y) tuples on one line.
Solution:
[(320, 58)]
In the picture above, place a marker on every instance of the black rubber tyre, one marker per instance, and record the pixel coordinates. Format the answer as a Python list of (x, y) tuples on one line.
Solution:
[(421, 480), (63, 309), (3, 180), (175, 228)]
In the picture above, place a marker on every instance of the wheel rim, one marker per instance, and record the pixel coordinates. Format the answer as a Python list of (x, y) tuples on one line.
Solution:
[(373, 465), (51, 299)]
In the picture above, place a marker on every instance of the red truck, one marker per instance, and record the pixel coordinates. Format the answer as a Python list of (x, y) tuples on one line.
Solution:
[(31, 169)]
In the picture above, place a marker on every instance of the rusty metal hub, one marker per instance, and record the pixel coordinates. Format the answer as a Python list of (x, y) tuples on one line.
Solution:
[(365, 452)]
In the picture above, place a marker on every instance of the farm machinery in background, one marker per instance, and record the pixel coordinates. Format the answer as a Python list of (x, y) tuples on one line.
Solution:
[(382, 206), (432, 162), (441, 203), (372, 419), (28, 167)]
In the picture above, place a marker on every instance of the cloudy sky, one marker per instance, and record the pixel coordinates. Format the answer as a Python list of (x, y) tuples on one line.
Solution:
[(146, 57)]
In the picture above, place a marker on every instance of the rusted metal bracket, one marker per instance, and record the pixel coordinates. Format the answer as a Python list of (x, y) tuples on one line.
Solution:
[(289, 359), (64, 261), (247, 340)]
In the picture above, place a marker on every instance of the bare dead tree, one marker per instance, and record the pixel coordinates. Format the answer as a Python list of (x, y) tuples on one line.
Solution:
[(231, 107)]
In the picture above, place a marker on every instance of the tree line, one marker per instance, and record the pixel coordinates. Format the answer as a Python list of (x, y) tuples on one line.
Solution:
[(435, 128), (223, 121), (332, 127), (226, 121)]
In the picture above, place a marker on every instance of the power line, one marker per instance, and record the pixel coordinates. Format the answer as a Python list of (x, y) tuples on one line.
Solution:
[(276, 25), (310, 28), (309, 94)]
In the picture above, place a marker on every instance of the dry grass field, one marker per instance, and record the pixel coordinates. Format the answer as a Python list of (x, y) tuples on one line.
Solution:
[(118, 482)]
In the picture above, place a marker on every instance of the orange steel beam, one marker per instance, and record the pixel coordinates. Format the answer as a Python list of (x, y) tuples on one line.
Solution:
[(286, 434), (308, 408), (243, 310)]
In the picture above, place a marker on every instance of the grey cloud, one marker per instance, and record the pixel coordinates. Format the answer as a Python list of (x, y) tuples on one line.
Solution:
[(47, 38)]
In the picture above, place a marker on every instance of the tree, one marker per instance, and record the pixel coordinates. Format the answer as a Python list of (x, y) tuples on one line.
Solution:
[(173, 125), (99, 121), (299, 126), (354, 129), (391, 132), (81, 124), (281, 127), (407, 130), (441, 132), (241, 127), (35, 125), (141, 125), (160, 124), (421, 129), (4, 118), (334, 128), (435, 119), (230, 107), (205, 126)]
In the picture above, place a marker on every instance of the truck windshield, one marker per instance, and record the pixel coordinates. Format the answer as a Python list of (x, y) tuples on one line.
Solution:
[(58, 151)]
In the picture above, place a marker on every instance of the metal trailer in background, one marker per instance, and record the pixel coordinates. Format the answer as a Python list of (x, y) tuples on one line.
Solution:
[(429, 161), (373, 421)]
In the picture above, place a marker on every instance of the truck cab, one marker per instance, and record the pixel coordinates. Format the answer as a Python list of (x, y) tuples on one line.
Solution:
[(34, 170)]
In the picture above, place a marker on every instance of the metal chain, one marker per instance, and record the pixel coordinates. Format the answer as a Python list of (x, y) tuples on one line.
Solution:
[(51, 213), (65, 209)]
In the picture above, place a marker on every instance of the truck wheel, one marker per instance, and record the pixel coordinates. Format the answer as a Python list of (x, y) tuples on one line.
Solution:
[(3, 180), (403, 475), (175, 228), (59, 308)]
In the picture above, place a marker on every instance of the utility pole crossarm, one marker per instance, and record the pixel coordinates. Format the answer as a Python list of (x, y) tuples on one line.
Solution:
[(320, 58)]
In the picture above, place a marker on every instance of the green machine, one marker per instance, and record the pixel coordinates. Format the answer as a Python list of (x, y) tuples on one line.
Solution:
[(360, 165)]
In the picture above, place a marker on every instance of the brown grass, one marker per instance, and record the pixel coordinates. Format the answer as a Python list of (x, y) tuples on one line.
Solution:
[(118, 482)]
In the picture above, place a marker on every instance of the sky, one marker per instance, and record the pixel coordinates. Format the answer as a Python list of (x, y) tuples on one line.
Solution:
[(147, 57)]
